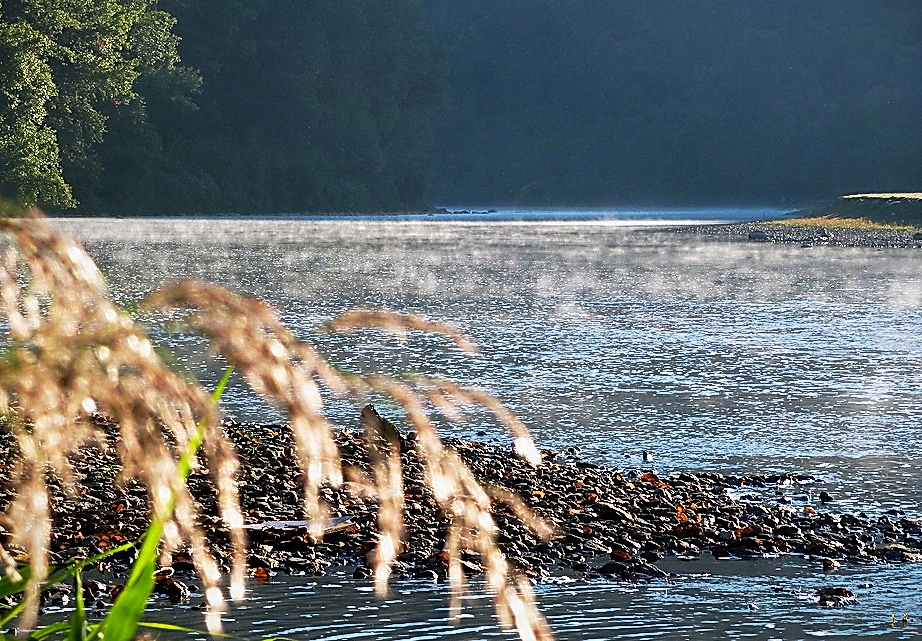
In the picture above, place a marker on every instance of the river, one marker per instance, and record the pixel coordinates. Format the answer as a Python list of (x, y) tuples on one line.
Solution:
[(604, 331)]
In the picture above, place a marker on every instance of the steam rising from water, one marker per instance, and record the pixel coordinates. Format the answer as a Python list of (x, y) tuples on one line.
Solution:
[(710, 352), (713, 354)]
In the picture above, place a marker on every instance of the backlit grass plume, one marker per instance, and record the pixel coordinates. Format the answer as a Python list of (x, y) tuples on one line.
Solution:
[(72, 353)]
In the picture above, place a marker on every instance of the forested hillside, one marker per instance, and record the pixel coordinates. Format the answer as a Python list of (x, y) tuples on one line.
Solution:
[(615, 101), (204, 106)]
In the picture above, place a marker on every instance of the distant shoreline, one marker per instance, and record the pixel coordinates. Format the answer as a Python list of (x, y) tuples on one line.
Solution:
[(807, 235), (884, 208), (502, 214), (883, 220)]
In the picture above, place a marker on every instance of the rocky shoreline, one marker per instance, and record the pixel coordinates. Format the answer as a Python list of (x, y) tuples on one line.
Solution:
[(807, 235), (612, 524)]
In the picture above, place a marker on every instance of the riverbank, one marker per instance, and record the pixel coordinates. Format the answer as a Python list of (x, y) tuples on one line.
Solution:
[(859, 220), (611, 523), (809, 233), (883, 208)]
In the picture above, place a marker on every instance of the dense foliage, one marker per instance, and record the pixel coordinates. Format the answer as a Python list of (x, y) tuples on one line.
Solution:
[(66, 70), (616, 101), (316, 105), (319, 105)]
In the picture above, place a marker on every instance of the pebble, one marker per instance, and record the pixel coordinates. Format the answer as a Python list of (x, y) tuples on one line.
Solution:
[(612, 524)]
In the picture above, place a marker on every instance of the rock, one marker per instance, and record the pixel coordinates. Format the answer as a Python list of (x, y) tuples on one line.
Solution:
[(58, 595), (835, 597), (629, 520), (611, 512), (362, 572), (648, 569), (175, 591), (613, 569), (897, 552), (95, 589), (428, 575), (759, 235)]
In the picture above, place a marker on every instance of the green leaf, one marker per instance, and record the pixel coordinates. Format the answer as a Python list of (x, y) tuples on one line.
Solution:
[(78, 623), (49, 630), (122, 621), (9, 587), (177, 628)]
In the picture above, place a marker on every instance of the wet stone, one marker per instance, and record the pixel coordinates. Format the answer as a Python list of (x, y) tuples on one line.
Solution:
[(835, 597), (614, 523)]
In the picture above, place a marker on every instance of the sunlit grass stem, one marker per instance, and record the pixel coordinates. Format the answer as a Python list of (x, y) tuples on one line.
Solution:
[(74, 352)]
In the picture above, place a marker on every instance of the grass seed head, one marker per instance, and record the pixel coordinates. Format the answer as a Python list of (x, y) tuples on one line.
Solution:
[(73, 352)]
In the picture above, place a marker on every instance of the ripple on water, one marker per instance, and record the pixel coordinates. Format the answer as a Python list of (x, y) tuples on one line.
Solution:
[(714, 355), (706, 599)]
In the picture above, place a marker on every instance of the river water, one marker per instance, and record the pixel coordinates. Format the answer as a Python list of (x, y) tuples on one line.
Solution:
[(611, 333)]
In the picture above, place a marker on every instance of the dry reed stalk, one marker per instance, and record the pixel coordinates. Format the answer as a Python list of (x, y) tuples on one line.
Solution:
[(276, 365), (471, 524), (288, 372), (398, 323), (71, 353), (384, 453), (74, 352), (448, 396)]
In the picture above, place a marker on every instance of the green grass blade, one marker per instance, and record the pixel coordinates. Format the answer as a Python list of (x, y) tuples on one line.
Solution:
[(49, 630), (222, 384), (82, 563), (9, 587), (78, 624), (170, 627), (123, 620)]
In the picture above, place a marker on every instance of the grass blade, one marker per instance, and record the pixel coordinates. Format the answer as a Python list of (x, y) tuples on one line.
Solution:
[(123, 620), (78, 624), (49, 630), (170, 627)]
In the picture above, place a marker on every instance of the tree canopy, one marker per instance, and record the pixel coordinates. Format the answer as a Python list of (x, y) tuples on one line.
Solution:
[(66, 68), (322, 105)]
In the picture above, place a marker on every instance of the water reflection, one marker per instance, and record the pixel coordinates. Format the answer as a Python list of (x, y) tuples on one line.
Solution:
[(764, 599)]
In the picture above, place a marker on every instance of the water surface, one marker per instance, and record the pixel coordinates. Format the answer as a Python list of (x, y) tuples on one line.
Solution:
[(611, 336)]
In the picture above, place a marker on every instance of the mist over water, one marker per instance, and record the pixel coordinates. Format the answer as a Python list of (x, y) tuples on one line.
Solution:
[(614, 337)]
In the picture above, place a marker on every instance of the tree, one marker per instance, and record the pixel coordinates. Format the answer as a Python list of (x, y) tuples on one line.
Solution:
[(66, 68), (320, 105)]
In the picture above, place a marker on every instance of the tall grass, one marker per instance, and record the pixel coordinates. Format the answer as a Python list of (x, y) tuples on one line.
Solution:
[(838, 222), (72, 352)]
